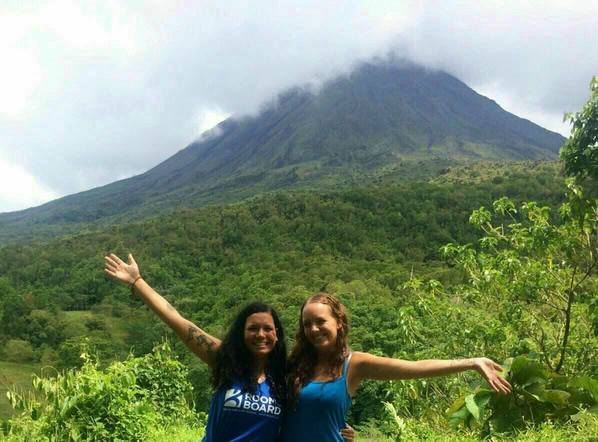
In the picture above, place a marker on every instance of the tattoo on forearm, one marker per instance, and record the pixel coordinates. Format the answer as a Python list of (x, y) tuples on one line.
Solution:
[(199, 338)]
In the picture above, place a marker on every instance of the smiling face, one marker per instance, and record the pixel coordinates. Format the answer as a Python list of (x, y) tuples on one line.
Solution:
[(320, 326), (260, 334)]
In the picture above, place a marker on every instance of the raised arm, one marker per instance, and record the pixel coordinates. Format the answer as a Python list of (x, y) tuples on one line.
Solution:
[(367, 366), (199, 342)]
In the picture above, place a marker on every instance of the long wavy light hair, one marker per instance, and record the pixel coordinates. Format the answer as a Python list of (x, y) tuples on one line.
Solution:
[(303, 358), (234, 362)]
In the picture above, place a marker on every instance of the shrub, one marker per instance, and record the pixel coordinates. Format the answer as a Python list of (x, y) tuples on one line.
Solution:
[(18, 350), (122, 402), (538, 396)]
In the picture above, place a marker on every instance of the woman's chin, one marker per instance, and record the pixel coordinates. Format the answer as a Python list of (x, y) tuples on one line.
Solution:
[(261, 351), (323, 346)]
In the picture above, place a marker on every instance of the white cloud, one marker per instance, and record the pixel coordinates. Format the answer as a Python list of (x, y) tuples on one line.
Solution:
[(89, 26), (549, 119), (76, 28), (210, 118), (534, 54), (19, 189), (19, 78), (95, 91)]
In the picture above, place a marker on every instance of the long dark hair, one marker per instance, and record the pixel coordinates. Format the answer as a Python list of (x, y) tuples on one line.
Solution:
[(303, 358), (234, 362)]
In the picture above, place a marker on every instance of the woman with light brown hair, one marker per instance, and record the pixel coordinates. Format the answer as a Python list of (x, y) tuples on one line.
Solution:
[(324, 374)]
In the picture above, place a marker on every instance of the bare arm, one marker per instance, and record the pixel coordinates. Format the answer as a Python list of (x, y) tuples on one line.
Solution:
[(198, 341), (367, 366)]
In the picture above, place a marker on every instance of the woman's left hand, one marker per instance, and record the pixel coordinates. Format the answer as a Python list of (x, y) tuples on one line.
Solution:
[(348, 433), (490, 371)]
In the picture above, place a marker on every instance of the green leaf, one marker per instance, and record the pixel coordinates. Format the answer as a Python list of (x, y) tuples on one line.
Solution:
[(456, 406), (506, 365), (459, 417), (482, 398), (472, 406), (526, 371), (531, 396), (506, 420), (586, 383), (558, 398)]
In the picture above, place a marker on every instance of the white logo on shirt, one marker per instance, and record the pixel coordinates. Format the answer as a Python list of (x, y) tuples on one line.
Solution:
[(232, 398), (255, 403)]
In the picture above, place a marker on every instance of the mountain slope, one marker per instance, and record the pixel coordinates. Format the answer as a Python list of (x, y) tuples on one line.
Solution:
[(378, 111), (379, 115)]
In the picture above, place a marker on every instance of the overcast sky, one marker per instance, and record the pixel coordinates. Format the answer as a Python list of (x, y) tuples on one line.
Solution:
[(92, 92)]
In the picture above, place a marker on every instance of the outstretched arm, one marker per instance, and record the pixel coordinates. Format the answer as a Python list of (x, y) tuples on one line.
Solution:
[(367, 366), (199, 342)]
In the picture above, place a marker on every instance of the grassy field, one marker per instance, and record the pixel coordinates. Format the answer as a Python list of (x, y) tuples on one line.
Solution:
[(76, 323), (18, 375), (586, 430), (113, 326), (13, 375)]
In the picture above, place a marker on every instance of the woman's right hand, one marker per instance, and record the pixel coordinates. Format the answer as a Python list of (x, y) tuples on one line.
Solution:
[(348, 433), (120, 271)]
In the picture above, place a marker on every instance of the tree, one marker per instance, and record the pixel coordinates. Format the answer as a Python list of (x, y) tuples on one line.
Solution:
[(537, 271), (580, 151)]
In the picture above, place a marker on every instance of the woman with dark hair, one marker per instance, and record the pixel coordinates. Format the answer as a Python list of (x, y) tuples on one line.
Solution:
[(248, 365), (324, 374)]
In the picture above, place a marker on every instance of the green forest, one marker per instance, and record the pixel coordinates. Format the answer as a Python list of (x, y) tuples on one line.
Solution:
[(484, 259)]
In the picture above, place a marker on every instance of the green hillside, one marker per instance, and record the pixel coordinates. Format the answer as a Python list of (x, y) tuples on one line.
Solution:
[(376, 246), (388, 223)]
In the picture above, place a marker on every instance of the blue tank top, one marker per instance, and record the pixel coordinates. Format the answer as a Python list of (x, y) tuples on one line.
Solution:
[(236, 415), (320, 411)]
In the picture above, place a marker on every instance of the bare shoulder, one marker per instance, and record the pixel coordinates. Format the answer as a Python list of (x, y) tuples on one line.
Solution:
[(357, 370), (359, 360), (359, 357), (369, 366)]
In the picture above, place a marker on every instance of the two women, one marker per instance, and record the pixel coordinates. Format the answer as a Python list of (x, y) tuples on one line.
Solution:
[(249, 366)]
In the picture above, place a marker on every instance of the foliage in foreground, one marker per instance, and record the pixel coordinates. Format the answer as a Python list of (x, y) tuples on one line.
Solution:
[(537, 272), (126, 401), (389, 429), (538, 396), (514, 302)]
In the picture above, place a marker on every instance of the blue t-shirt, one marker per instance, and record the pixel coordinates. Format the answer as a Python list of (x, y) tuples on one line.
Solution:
[(320, 412), (236, 415)]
